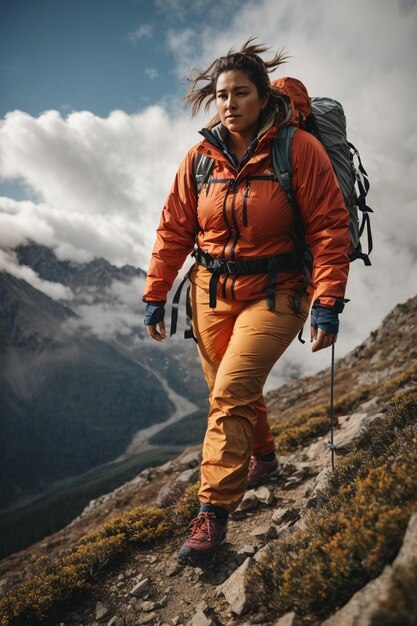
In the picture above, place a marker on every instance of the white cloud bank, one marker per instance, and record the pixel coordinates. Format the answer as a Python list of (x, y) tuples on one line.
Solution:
[(98, 184)]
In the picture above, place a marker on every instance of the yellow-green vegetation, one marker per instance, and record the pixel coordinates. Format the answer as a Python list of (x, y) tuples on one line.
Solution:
[(400, 604), (358, 527), (350, 401), (187, 507), (407, 376), (57, 580), (297, 432)]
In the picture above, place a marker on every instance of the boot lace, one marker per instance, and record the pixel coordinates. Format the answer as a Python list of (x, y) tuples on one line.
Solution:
[(202, 526)]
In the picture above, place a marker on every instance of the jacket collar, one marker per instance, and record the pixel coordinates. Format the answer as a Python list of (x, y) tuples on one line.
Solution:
[(216, 134)]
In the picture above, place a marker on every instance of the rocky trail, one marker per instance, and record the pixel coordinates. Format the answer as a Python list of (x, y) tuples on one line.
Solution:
[(151, 588)]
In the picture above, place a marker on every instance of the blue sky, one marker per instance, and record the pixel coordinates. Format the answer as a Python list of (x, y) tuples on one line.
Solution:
[(97, 55), (92, 129)]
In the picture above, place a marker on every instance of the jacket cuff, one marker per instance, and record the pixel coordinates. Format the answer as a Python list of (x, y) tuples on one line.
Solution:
[(335, 304), (150, 301)]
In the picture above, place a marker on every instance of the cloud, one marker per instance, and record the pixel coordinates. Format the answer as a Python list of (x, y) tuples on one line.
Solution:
[(9, 264), (117, 312), (145, 31), (151, 72), (100, 183)]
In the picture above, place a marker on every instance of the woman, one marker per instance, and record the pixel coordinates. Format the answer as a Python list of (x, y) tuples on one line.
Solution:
[(250, 294)]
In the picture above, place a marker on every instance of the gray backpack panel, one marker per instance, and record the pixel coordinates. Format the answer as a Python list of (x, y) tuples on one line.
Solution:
[(330, 124)]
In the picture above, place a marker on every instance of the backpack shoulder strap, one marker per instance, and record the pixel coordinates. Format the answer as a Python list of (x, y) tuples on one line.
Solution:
[(202, 169), (282, 164)]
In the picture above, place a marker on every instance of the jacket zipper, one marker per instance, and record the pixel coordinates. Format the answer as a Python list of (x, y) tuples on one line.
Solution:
[(235, 224), (245, 202), (226, 219)]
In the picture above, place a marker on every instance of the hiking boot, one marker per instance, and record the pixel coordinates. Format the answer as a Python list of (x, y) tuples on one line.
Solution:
[(259, 471), (208, 532)]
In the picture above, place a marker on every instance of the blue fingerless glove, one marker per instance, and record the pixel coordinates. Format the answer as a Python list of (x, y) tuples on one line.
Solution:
[(324, 318), (154, 313)]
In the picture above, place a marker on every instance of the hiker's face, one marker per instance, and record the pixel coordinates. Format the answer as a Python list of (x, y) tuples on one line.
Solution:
[(238, 103)]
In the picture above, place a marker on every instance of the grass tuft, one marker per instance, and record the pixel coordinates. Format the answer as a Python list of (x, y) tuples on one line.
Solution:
[(57, 580), (357, 529)]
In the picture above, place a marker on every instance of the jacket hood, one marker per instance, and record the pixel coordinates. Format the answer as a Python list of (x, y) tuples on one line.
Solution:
[(300, 103)]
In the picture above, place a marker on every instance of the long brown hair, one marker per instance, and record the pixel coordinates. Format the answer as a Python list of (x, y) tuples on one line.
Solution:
[(248, 60)]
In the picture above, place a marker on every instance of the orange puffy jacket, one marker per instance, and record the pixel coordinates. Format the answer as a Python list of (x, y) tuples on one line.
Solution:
[(253, 219)]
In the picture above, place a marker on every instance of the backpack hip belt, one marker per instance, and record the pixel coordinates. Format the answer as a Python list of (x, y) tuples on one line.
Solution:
[(290, 263), (285, 263)]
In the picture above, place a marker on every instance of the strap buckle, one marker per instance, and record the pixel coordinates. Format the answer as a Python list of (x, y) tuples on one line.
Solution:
[(231, 267), (218, 266)]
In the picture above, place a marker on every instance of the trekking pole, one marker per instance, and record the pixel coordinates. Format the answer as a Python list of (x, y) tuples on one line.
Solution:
[(331, 444)]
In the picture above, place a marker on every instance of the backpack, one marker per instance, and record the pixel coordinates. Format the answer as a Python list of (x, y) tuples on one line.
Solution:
[(325, 119)]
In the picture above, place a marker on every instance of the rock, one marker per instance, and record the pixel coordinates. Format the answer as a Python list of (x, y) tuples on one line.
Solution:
[(116, 621), (265, 531), (408, 553), (304, 467), (300, 474), (358, 611), (249, 502), (200, 619), (167, 467), (235, 589), (184, 479), (317, 449), (313, 493), (264, 495), (282, 515), (174, 568), (148, 618), (249, 550), (361, 607), (148, 606), (192, 459), (237, 514), (371, 405), (261, 553), (353, 428), (162, 602), (289, 619), (140, 589), (293, 480), (101, 611), (287, 468), (202, 606)]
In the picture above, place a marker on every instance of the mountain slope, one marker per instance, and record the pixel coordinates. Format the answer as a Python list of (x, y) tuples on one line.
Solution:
[(69, 401), (326, 535)]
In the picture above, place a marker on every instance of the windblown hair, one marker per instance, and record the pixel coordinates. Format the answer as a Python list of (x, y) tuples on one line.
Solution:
[(247, 60)]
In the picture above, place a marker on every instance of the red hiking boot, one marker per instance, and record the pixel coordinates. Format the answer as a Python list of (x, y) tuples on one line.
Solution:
[(208, 532), (259, 471)]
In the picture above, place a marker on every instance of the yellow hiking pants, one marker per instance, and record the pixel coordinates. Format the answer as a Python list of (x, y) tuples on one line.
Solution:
[(238, 342)]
